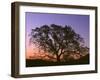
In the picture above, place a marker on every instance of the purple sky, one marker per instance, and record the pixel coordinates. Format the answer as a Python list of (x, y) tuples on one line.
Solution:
[(80, 23)]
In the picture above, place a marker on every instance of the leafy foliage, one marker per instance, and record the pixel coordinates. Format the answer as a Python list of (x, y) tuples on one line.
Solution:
[(56, 39)]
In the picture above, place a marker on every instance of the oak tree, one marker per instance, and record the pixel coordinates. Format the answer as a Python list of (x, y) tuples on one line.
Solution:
[(56, 39)]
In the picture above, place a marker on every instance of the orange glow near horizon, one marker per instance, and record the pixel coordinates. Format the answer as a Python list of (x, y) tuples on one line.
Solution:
[(32, 52)]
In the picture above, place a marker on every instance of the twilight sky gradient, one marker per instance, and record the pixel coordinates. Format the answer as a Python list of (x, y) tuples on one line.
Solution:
[(80, 23)]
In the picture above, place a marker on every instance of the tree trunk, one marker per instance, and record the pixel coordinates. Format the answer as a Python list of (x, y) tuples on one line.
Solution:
[(58, 58)]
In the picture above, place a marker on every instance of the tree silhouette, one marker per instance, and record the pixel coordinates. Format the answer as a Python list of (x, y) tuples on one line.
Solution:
[(56, 39)]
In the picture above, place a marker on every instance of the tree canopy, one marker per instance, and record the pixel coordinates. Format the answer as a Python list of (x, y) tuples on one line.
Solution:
[(56, 39)]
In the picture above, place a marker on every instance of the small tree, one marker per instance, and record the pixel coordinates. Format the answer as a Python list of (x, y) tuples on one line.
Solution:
[(84, 50), (56, 39)]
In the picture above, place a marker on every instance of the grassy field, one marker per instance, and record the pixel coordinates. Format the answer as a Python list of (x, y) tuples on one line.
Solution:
[(38, 62)]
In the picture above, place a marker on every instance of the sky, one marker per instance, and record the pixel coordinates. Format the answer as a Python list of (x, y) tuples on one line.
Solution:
[(80, 23)]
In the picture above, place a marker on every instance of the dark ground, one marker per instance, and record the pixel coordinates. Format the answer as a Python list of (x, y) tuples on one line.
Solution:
[(38, 62)]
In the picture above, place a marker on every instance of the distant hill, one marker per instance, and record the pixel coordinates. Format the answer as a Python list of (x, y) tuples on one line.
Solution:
[(39, 62), (84, 59)]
